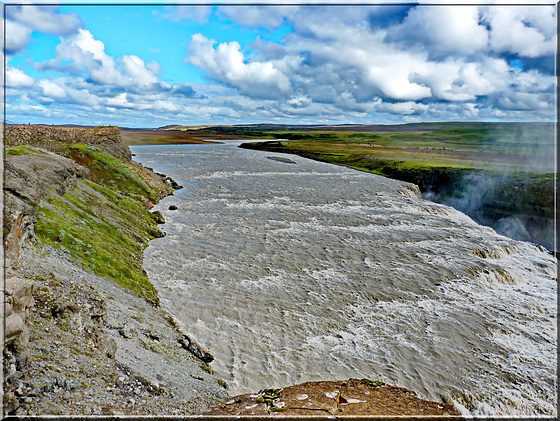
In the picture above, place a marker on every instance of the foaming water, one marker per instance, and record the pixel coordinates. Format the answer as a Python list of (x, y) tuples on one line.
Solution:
[(292, 273)]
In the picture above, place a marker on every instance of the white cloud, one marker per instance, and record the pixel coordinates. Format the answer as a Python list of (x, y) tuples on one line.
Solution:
[(16, 78), (84, 50), (226, 63), (528, 32), (51, 89), (269, 17), (193, 13), (136, 70), (18, 37), (44, 19), (444, 30)]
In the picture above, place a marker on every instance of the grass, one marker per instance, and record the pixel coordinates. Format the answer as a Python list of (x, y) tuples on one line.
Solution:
[(103, 222), (99, 241), (112, 173), (19, 150)]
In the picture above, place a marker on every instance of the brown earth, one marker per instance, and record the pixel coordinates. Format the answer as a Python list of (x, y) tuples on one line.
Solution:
[(359, 397), (137, 137)]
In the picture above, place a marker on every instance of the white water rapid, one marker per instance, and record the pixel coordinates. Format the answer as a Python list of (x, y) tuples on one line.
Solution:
[(294, 272)]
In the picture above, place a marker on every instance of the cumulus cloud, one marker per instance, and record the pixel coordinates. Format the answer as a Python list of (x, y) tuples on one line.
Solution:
[(15, 78), (18, 37), (343, 64), (525, 31), (44, 19), (226, 63), (406, 62), (22, 20), (51, 89), (442, 30), (138, 72)]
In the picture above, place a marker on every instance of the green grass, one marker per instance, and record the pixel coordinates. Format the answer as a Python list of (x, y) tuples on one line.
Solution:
[(96, 230), (104, 222), (19, 150), (112, 173)]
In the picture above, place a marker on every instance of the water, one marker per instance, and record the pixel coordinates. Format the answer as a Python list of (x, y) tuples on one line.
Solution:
[(294, 272)]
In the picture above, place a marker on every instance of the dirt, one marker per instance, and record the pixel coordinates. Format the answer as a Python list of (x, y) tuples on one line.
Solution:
[(352, 397)]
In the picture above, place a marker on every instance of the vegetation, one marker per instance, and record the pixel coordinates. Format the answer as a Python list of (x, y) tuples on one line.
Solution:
[(103, 222), (19, 150), (108, 171)]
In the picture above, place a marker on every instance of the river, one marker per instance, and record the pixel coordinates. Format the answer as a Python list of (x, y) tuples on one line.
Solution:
[(299, 271)]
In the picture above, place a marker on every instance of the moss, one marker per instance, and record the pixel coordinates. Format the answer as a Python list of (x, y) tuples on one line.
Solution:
[(20, 150), (372, 383), (108, 171), (97, 230)]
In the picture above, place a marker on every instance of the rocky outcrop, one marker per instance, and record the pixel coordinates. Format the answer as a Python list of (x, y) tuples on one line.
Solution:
[(56, 138), (27, 179), (333, 399)]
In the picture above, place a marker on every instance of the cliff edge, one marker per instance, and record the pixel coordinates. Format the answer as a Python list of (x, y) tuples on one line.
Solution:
[(84, 334)]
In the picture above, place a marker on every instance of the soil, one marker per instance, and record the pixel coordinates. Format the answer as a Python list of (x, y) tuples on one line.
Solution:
[(352, 397)]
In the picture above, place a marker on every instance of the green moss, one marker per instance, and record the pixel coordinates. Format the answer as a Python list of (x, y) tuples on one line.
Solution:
[(20, 150), (112, 173), (372, 383), (102, 233)]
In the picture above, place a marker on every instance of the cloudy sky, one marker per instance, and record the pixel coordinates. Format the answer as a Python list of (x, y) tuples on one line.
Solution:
[(149, 66)]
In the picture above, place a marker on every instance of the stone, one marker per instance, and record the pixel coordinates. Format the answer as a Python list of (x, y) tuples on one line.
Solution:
[(110, 347), (196, 349), (173, 207), (14, 326), (158, 217), (128, 331)]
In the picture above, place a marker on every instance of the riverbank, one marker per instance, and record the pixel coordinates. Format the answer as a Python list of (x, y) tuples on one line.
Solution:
[(505, 189), (84, 334)]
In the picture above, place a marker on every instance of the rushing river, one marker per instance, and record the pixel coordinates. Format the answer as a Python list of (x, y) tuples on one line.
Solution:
[(303, 271)]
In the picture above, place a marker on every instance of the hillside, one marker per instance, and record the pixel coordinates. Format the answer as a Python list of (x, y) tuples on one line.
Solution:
[(84, 332)]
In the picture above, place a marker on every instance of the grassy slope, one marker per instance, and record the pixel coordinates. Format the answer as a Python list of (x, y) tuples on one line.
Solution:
[(104, 221)]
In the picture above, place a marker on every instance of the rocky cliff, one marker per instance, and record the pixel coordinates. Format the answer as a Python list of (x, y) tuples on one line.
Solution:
[(55, 138), (84, 334)]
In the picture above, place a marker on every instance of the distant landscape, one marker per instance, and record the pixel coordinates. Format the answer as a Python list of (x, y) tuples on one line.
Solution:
[(500, 174)]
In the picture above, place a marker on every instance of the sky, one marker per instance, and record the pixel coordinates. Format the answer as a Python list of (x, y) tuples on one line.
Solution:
[(155, 65)]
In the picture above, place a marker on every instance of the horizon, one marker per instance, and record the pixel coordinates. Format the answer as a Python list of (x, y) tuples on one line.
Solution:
[(280, 124), (133, 65)]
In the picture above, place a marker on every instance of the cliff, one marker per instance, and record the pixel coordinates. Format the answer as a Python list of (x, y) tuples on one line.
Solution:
[(56, 138), (84, 332)]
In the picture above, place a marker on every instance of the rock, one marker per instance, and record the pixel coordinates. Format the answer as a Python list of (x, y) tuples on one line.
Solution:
[(158, 217), (174, 184), (173, 207), (196, 349), (128, 331), (332, 399), (19, 294), (14, 326)]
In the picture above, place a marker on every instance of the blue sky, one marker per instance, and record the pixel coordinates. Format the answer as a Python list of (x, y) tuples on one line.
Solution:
[(149, 66)]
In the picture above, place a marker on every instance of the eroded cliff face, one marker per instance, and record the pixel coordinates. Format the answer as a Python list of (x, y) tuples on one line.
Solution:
[(83, 326), (56, 138), (28, 178)]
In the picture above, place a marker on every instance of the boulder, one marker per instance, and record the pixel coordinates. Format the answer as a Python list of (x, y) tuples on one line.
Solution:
[(158, 217), (196, 349)]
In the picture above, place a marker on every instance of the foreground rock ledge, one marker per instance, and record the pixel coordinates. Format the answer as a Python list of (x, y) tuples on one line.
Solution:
[(320, 399)]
